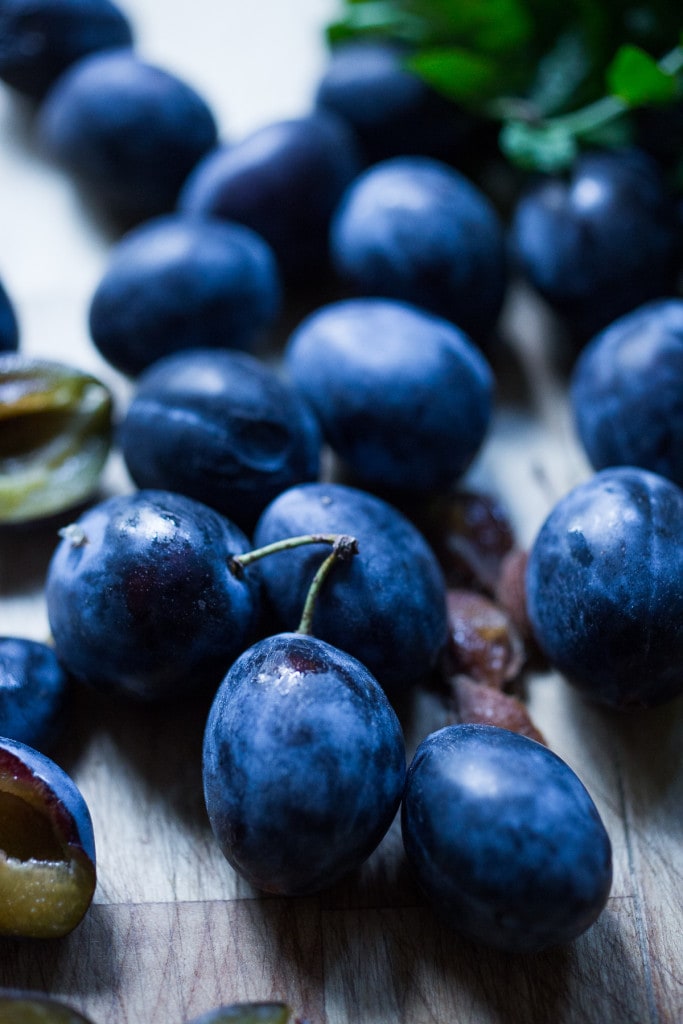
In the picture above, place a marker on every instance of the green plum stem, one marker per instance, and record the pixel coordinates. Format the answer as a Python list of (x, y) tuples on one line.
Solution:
[(346, 545), (343, 548)]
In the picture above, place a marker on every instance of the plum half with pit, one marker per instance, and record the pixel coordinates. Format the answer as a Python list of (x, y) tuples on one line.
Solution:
[(303, 764), (504, 838), (55, 437), (47, 846), (21, 1007)]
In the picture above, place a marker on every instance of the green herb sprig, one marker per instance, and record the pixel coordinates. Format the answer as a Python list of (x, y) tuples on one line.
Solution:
[(556, 76)]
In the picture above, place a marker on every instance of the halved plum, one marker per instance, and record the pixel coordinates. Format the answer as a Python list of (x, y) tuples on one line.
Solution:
[(47, 847)]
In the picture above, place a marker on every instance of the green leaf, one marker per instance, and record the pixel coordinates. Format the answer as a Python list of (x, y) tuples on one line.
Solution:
[(458, 73), (489, 26), (636, 78), (549, 147)]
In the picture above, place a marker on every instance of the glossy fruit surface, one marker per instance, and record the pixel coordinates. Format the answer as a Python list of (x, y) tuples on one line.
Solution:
[(284, 180), (386, 606), (221, 427), (55, 437), (140, 598), (303, 764), (42, 38), (600, 243), (9, 328), (127, 131), (47, 848), (33, 686), (414, 229), (605, 587), (403, 398), (504, 839), (627, 391), (174, 284)]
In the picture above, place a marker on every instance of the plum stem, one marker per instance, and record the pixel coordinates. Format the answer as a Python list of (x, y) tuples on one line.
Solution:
[(343, 547)]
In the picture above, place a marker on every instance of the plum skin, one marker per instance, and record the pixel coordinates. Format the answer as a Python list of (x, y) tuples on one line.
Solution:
[(42, 38), (403, 397), (627, 391), (303, 764), (415, 229), (174, 284), (140, 598), (604, 586), (9, 328), (504, 839), (392, 111), (601, 243), (284, 181), (127, 131), (220, 427), (386, 606), (33, 686)]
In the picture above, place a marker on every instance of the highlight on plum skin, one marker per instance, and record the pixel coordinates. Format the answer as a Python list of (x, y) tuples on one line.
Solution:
[(47, 847)]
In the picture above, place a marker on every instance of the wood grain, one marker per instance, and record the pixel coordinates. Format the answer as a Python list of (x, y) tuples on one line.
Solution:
[(173, 931)]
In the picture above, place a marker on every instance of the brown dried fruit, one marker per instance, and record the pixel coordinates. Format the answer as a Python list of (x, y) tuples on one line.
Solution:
[(470, 534), (485, 706), (483, 642), (510, 591)]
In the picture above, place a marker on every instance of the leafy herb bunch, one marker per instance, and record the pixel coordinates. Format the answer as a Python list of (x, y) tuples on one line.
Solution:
[(557, 76)]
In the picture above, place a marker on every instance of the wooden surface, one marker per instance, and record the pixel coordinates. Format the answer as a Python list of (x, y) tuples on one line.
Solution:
[(173, 931)]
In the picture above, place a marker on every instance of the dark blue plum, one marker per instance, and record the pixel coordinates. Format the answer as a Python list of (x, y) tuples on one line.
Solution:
[(47, 846), (284, 181), (33, 688), (504, 839), (392, 110), (600, 243), (403, 397), (412, 228), (386, 606), (174, 284), (627, 391), (605, 588), (129, 132), (221, 427), (9, 328), (303, 765), (140, 598), (39, 39)]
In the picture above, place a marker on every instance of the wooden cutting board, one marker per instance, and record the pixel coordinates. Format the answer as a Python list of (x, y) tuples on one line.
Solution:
[(173, 931)]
